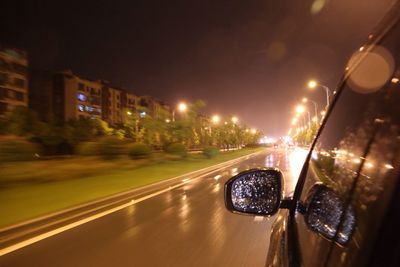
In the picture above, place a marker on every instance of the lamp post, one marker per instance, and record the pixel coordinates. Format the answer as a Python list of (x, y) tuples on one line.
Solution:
[(234, 120), (129, 113), (313, 84), (182, 107), (305, 100), (300, 110), (215, 119)]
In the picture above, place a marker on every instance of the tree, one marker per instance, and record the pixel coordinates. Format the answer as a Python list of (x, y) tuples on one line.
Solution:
[(23, 122)]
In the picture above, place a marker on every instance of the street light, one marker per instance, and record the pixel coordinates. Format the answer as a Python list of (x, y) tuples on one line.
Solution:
[(300, 109), (215, 119), (182, 107), (253, 131), (305, 100), (234, 119), (312, 84)]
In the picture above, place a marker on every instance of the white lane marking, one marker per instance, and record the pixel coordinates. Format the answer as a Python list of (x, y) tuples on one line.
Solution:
[(258, 218), (67, 227)]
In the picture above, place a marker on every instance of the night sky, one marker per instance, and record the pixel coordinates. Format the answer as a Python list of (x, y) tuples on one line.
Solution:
[(245, 58)]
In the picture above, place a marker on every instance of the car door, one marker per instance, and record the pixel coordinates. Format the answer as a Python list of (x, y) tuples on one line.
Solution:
[(356, 156)]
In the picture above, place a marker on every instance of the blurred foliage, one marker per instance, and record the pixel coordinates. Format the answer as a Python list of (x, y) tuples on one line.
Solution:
[(211, 151), (177, 149), (139, 150), (88, 149), (306, 136), (14, 148), (110, 147), (155, 128)]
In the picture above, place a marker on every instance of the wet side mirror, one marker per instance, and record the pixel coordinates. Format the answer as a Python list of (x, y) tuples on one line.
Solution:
[(256, 191), (325, 210)]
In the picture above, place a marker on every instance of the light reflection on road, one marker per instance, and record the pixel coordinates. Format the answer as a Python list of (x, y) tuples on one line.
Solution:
[(184, 226), (296, 162)]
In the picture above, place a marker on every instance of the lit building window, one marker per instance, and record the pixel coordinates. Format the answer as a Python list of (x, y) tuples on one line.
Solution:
[(81, 108), (89, 109), (82, 97), (142, 114)]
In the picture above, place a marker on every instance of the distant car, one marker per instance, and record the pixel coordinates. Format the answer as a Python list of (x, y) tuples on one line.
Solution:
[(344, 210)]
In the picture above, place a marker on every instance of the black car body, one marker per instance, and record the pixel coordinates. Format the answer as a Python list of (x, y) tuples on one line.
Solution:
[(344, 208)]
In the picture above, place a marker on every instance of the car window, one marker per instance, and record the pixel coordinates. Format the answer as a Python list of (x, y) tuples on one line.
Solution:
[(356, 152)]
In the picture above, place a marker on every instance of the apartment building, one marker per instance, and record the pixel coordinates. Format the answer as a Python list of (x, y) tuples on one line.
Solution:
[(41, 94), (13, 79), (67, 96), (117, 104), (132, 102), (75, 97), (155, 107)]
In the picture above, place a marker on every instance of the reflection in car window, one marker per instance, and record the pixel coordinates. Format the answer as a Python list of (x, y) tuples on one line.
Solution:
[(358, 149)]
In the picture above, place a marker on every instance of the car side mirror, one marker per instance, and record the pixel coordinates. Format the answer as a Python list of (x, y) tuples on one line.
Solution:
[(325, 209), (257, 192)]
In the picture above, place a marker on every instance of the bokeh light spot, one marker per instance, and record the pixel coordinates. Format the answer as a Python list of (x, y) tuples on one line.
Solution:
[(317, 6), (372, 69)]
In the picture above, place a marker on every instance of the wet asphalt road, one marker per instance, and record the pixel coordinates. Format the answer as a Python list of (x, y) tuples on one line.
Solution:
[(186, 226)]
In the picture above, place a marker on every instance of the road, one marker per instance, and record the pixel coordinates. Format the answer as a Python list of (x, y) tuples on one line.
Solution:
[(185, 226)]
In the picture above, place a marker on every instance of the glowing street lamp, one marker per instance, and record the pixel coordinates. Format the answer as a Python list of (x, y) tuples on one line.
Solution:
[(129, 113), (235, 119), (182, 107), (215, 119), (306, 100), (253, 131), (312, 84), (300, 109)]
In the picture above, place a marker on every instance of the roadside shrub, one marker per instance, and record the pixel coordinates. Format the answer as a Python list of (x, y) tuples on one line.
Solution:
[(177, 149), (89, 149), (17, 149), (210, 151), (139, 150), (110, 147)]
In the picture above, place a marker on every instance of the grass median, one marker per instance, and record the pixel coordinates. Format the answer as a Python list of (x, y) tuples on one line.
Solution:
[(31, 189)]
